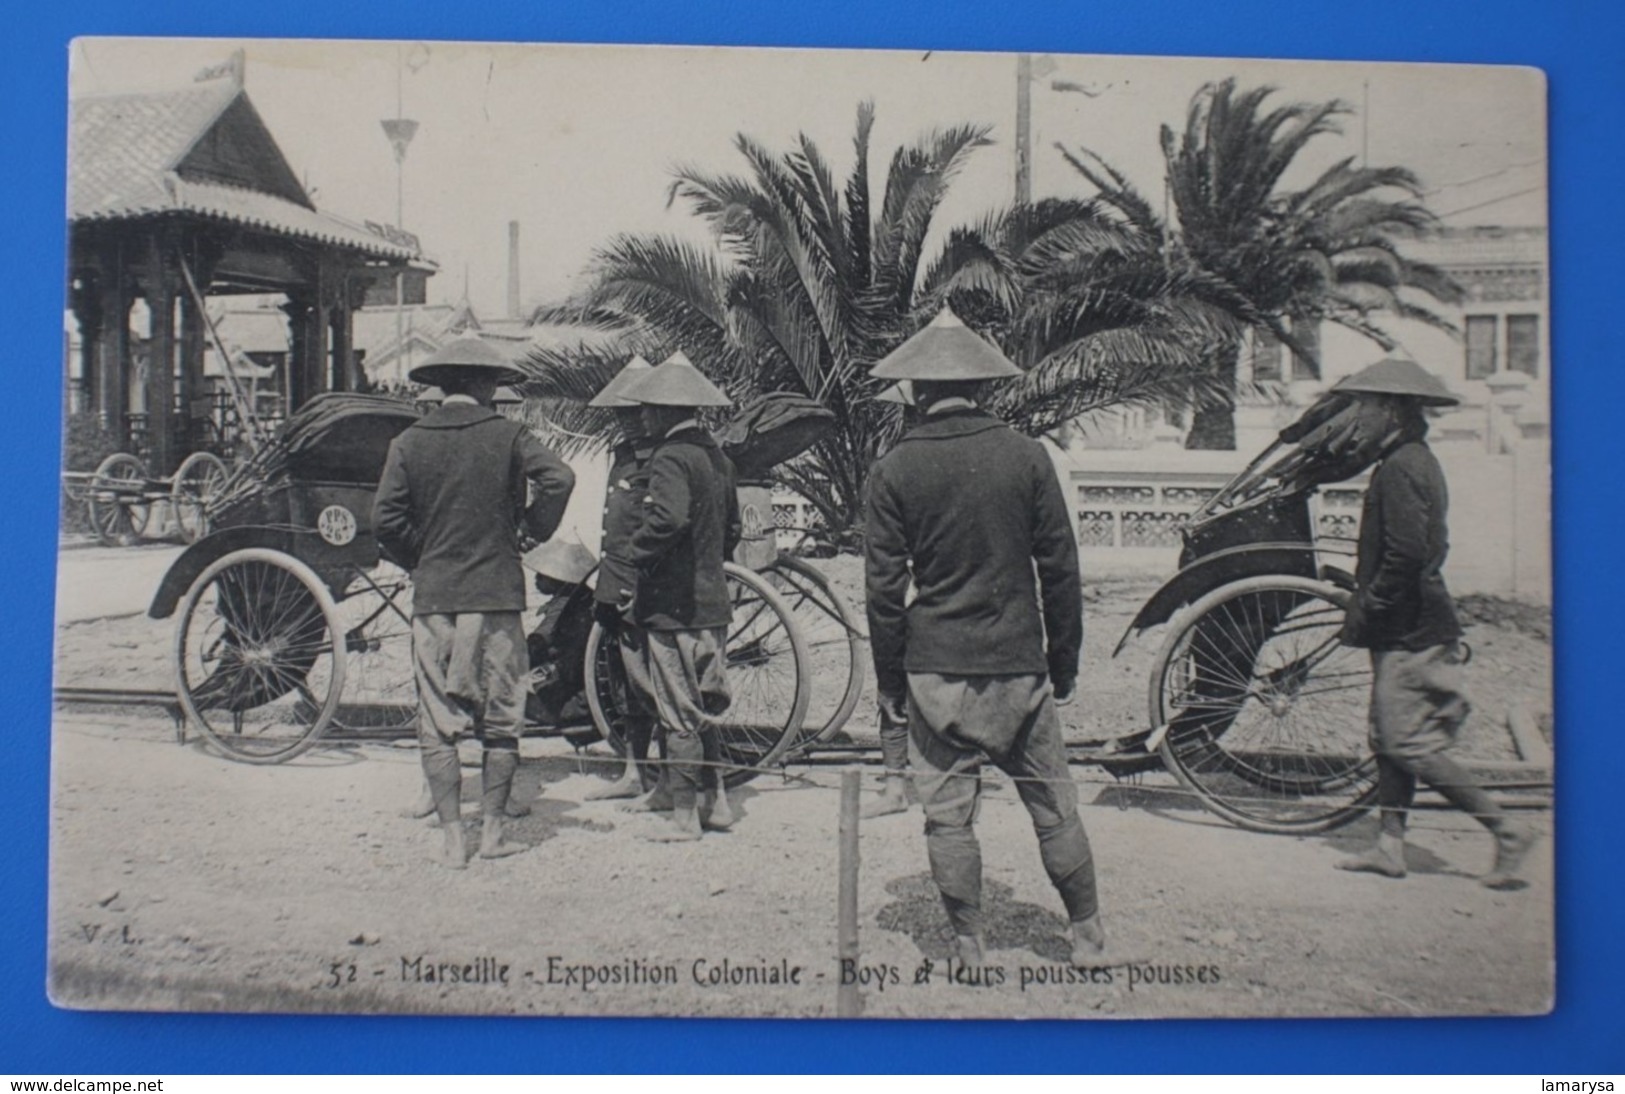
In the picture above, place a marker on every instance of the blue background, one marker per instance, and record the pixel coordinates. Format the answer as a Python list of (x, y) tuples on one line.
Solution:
[(1582, 48)]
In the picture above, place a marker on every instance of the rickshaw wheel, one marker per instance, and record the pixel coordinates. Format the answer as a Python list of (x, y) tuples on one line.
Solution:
[(1265, 708), (768, 674), (259, 661), (834, 643), (116, 520), (199, 477), (380, 696)]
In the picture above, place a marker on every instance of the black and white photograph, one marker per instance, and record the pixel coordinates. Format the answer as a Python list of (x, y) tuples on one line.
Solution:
[(747, 532)]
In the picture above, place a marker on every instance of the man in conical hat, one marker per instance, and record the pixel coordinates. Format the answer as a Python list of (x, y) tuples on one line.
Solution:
[(452, 508), (617, 577), (974, 515), (1404, 615), (688, 526)]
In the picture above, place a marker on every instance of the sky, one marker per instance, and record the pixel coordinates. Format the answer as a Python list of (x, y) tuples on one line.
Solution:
[(577, 143)]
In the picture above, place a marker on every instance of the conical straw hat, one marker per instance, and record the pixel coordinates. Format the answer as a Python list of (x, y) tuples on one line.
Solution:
[(569, 563), (675, 382), (463, 356), (1396, 376), (901, 393), (611, 394), (945, 350)]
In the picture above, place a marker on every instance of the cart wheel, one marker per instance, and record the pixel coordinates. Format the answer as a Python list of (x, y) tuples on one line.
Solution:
[(380, 689), (116, 499), (1265, 708), (768, 673), (834, 642), (197, 480), (256, 661)]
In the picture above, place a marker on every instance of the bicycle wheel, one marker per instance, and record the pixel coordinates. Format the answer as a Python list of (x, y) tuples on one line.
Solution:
[(1265, 709), (197, 480), (769, 680), (380, 688), (834, 643), (258, 656), (116, 500)]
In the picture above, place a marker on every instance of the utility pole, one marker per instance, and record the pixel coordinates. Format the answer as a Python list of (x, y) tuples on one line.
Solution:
[(400, 132), (1024, 128)]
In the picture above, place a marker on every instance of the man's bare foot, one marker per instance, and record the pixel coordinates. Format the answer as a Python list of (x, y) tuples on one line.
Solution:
[(684, 827), (453, 848), (968, 949), (717, 815), (655, 801), (423, 807), (1374, 861), (1512, 844), (623, 787), (1091, 950), (893, 798), (493, 845)]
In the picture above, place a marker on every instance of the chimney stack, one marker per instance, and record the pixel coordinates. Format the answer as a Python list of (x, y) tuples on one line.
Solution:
[(513, 269)]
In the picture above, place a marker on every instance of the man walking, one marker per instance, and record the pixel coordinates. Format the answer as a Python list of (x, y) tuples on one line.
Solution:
[(689, 526), (1403, 614), (976, 663), (452, 508)]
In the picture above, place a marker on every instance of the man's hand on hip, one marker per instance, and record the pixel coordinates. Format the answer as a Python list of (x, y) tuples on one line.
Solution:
[(894, 708), (1066, 690)]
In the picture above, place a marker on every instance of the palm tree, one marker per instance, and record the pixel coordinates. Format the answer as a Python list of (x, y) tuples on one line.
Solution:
[(809, 283), (1327, 252)]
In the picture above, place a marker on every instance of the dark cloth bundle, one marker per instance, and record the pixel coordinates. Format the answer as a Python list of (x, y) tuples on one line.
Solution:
[(771, 429)]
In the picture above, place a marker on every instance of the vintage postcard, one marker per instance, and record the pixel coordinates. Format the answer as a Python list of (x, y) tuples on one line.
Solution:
[(740, 532)]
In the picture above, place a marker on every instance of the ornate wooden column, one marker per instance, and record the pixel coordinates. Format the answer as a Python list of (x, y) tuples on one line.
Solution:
[(160, 277), (321, 374), (298, 309), (84, 297), (113, 346), (346, 371)]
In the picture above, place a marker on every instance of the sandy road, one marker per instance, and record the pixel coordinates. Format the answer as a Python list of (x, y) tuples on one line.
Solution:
[(183, 880)]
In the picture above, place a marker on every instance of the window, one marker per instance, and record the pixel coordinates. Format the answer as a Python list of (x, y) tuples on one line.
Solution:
[(1306, 365), (1480, 346), (1266, 356), (1523, 343)]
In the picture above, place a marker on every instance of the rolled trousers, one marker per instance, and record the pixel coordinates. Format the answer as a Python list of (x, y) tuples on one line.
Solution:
[(956, 721), (470, 670), (1417, 710), (683, 673)]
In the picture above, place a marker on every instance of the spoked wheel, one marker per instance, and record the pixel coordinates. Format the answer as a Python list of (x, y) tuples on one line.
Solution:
[(768, 673), (834, 643), (1265, 708), (117, 501), (197, 480), (259, 656), (380, 689)]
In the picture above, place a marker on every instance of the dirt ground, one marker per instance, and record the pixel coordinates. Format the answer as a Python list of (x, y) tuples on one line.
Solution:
[(182, 880)]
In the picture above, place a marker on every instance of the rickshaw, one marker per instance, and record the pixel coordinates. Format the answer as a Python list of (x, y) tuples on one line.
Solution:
[(1255, 705), (119, 495), (293, 626)]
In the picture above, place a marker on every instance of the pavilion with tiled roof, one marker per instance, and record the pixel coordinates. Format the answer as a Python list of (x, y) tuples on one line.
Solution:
[(175, 189)]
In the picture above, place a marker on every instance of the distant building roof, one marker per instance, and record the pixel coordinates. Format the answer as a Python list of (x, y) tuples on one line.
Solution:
[(258, 328), (1480, 246), (202, 150)]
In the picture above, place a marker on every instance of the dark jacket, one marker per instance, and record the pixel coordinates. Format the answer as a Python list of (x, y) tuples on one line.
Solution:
[(623, 512), (451, 503), (969, 506), (690, 526), (1400, 600)]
